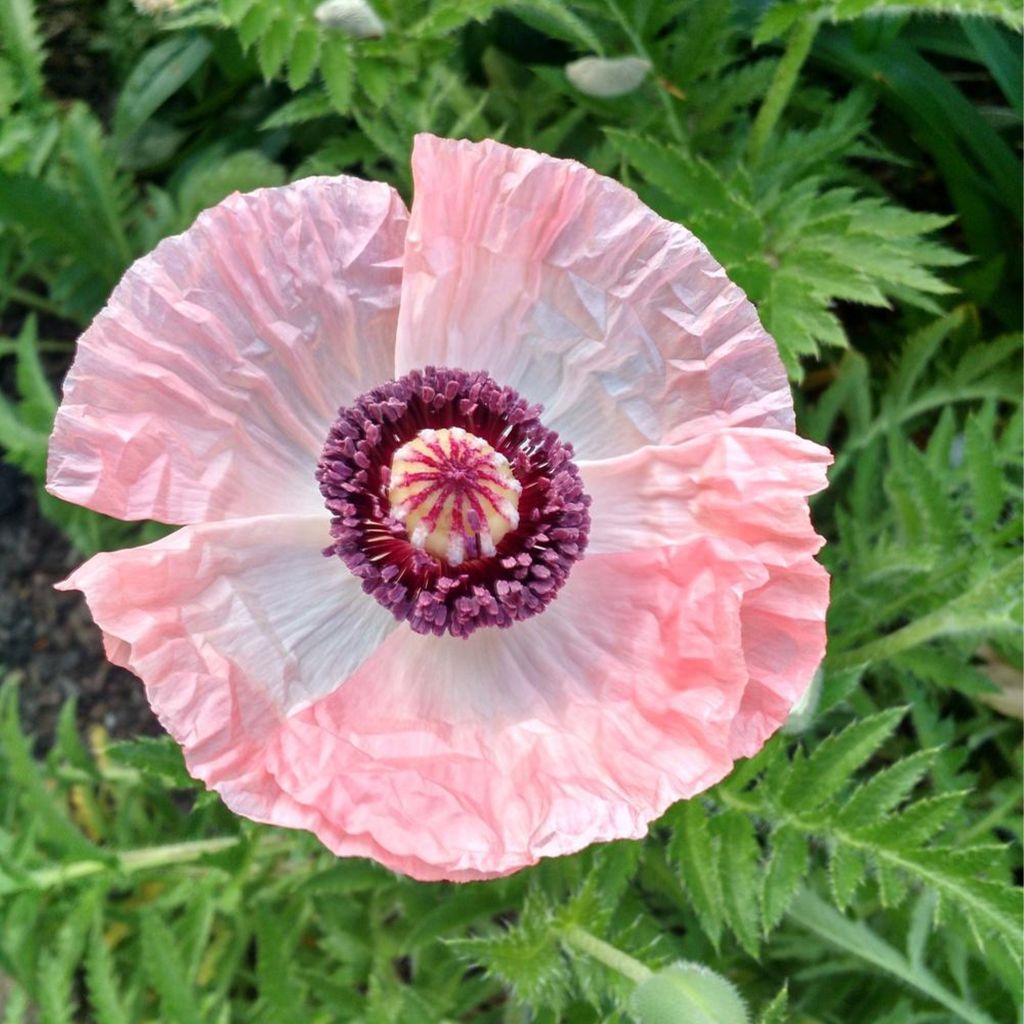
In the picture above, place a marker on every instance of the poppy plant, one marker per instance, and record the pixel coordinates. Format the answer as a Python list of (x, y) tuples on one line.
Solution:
[(494, 527)]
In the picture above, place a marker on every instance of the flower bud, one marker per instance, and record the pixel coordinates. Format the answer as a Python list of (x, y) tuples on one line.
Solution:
[(688, 993), (353, 17), (606, 77)]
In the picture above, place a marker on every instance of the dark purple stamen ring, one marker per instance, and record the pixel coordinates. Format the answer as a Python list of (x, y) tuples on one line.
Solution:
[(531, 563)]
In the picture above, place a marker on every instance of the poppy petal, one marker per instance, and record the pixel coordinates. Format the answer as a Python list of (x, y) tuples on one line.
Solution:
[(205, 388), (560, 283)]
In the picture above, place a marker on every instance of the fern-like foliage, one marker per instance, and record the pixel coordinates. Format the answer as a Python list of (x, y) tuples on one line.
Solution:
[(868, 829), (796, 239), (781, 17), (943, 545)]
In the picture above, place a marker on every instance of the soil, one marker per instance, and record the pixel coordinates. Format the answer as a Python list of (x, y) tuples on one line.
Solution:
[(48, 640)]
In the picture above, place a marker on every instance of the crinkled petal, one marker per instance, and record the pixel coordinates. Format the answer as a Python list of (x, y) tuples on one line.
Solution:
[(748, 484), (637, 687), (783, 624), (294, 696), (560, 283), (205, 388), (232, 626)]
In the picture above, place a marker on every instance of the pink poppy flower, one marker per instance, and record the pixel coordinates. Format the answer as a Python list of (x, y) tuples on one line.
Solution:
[(529, 631)]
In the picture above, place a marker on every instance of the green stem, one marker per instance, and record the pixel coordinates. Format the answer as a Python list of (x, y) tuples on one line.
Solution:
[(642, 51), (884, 647), (134, 860), (611, 957), (13, 293), (912, 597), (798, 46)]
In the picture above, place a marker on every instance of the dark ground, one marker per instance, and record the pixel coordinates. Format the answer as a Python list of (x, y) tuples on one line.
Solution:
[(47, 638)]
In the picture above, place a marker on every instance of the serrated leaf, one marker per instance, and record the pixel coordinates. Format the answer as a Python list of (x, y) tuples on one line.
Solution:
[(892, 885), (985, 476), (784, 874), (19, 30), (915, 825), (697, 859), (101, 984), (993, 907), (163, 965), (235, 10), (739, 853), (830, 766), (846, 872), (274, 45), (874, 799), (159, 758), (38, 405), (525, 957), (336, 67), (777, 1011), (302, 59), (26, 781), (279, 991), (858, 940), (254, 23)]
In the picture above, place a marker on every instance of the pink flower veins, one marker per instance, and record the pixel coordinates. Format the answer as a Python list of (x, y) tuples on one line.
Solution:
[(682, 614)]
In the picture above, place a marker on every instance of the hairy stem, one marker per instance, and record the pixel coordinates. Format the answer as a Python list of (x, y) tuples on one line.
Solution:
[(798, 46), (133, 860), (642, 51), (611, 957), (12, 293)]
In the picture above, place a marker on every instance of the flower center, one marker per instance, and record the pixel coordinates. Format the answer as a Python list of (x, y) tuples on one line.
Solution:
[(457, 496), (452, 502)]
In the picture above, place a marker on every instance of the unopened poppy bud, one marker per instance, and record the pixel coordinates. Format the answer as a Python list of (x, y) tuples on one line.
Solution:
[(607, 77), (353, 17), (153, 7)]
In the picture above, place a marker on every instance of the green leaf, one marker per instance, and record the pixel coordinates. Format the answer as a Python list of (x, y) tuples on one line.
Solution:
[(687, 993), (280, 993), (992, 907), (697, 859), (858, 940), (303, 57), (19, 32), (336, 67), (164, 967), (828, 769), (38, 406), (159, 758), (786, 870), (874, 799), (28, 783), (273, 46), (846, 872), (985, 476), (525, 957), (105, 998), (160, 73), (777, 1011), (207, 184), (739, 854)]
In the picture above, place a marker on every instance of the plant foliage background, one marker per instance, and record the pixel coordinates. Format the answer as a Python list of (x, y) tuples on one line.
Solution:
[(855, 164)]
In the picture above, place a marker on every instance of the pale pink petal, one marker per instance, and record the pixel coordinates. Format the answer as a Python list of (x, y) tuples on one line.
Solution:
[(472, 759), (783, 625), (562, 284), (449, 758), (749, 484), (205, 388), (232, 626)]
